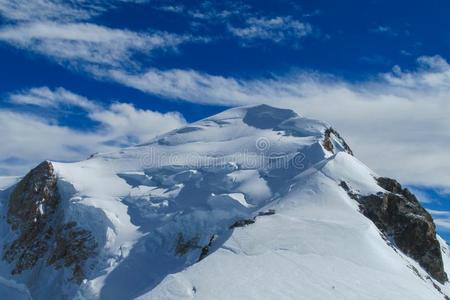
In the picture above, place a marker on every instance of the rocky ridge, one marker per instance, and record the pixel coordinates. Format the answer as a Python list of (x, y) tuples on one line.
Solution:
[(403, 221)]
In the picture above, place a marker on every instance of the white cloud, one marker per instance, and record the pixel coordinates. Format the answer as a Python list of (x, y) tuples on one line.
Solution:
[(34, 10), (61, 31), (241, 21), (64, 31), (28, 138), (397, 123), (278, 29), (44, 97), (87, 43), (422, 196), (444, 191), (128, 125), (217, 11), (440, 213), (56, 10), (172, 8), (383, 29), (189, 85), (443, 224), (441, 219)]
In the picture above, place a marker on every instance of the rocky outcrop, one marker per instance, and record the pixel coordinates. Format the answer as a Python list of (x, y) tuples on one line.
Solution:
[(34, 199), (328, 144), (242, 223), (268, 212), (32, 204), (35, 215), (73, 247), (400, 217), (245, 222), (205, 249)]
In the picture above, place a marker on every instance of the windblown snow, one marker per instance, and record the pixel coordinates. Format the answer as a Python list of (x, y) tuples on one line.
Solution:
[(245, 204)]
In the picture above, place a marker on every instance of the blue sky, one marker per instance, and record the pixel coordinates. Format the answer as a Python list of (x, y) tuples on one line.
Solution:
[(84, 76)]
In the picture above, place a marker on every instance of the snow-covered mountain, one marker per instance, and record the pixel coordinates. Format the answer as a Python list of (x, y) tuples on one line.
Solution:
[(253, 203)]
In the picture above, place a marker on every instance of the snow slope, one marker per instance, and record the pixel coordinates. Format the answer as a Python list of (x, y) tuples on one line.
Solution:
[(169, 216)]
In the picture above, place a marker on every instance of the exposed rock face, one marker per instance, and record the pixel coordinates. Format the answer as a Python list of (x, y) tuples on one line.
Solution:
[(399, 215), (242, 223), (328, 144), (73, 247), (245, 222), (34, 199), (32, 203), (34, 213)]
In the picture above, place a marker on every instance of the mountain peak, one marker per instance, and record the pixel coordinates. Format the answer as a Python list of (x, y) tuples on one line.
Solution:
[(253, 192), (246, 122)]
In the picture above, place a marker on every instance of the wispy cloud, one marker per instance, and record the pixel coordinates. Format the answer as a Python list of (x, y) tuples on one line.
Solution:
[(84, 43), (423, 196), (240, 21), (64, 31), (442, 224), (445, 191), (29, 138), (45, 97), (57, 10), (277, 29), (383, 29), (175, 8), (210, 11), (35, 10), (441, 219)]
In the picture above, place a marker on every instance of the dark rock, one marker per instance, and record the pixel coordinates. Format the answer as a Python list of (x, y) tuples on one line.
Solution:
[(266, 213), (34, 212), (242, 223), (31, 205), (205, 249), (390, 185), (245, 222), (350, 193), (399, 215), (73, 246), (34, 198), (344, 185), (328, 144), (204, 253)]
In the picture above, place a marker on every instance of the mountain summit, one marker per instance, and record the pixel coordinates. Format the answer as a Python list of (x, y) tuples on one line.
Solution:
[(253, 203)]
